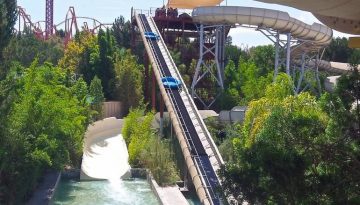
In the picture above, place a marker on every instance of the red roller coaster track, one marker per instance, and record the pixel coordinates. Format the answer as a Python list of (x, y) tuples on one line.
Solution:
[(69, 25)]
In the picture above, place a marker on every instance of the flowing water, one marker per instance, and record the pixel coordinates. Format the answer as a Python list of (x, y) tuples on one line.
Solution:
[(105, 157), (106, 192)]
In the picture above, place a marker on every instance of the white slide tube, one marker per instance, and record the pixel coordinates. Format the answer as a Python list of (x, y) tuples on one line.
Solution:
[(315, 35), (278, 20)]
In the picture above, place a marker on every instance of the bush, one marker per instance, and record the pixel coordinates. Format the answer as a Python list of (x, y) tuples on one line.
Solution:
[(137, 132), (97, 96), (44, 127), (146, 149), (157, 157)]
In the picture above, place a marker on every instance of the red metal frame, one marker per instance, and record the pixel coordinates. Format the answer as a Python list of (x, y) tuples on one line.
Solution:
[(26, 23), (70, 23), (45, 29)]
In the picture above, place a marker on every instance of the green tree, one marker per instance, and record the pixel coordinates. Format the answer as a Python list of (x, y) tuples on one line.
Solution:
[(8, 16), (234, 53), (25, 48), (82, 56), (254, 84), (105, 68), (278, 157), (137, 133), (338, 50), (122, 30), (343, 135), (263, 57), (295, 150), (128, 81), (44, 129), (97, 95), (146, 149), (156, 156)]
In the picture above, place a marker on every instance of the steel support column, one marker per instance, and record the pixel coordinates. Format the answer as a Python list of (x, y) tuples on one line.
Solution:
[(146, 77), (283, 44), (277, 45), (153, 90), (307, 72), (49, 18), (302, 72), (293, 57), (288, 49), (161, 116), (211, 62)]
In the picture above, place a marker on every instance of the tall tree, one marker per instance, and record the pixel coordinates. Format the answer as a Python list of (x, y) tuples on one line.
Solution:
[(82, 56), (97, 95), (122, 29), (338, 50), (263, 57), (105, 68), (27, 47), (128, 81), (8, 16), (43, 130)]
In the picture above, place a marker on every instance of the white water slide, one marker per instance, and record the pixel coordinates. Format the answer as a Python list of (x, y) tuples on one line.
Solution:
[(316, 35)]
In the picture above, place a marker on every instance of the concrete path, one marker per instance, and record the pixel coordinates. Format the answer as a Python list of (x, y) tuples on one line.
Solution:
[(171, 196)]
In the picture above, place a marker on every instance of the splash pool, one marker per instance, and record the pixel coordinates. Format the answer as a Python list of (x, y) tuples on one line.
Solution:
[(106, 192)]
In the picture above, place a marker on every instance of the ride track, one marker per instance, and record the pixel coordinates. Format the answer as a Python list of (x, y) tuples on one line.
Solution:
[(69, 25), (195, 149), (204, 178)]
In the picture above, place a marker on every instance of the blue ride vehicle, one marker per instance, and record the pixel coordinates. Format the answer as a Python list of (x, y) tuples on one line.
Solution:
[(151, 36), (171, 83)]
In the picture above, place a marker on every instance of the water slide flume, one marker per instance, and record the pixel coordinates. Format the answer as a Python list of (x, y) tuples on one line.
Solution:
[(105, 154), (315, 35)]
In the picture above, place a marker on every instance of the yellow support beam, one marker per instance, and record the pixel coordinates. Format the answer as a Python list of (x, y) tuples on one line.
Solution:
[(354, 42)]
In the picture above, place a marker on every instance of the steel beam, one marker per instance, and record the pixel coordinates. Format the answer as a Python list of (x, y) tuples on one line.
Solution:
[(49, 18), (211, 61)]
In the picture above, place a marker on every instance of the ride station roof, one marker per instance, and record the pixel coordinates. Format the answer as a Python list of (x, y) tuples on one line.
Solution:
[(186, 4)]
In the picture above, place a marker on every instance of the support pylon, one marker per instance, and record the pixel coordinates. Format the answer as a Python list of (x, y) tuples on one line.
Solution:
[(49, 18)]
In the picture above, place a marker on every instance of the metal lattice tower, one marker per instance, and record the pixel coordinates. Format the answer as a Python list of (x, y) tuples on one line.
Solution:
[(49, 19), (211, 63)]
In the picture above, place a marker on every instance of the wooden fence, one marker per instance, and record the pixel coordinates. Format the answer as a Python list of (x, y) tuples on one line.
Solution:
[(113, 109)]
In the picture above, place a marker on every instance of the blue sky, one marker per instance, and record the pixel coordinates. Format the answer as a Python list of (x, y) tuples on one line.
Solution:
[(107, 10)]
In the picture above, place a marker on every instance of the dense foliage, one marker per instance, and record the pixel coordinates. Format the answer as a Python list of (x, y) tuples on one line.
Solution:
[(291, 149), (128, 81), (42, 126), (47, 103), (338, 50), (119, 72), (122, 31), (97, 97), (8, 16), (146, 149), (295, 150), (25, 47)]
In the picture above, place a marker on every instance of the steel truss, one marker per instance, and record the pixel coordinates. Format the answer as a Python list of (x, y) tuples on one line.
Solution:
[(300, 64), (307, 68), (211, 61), (49, 18)]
